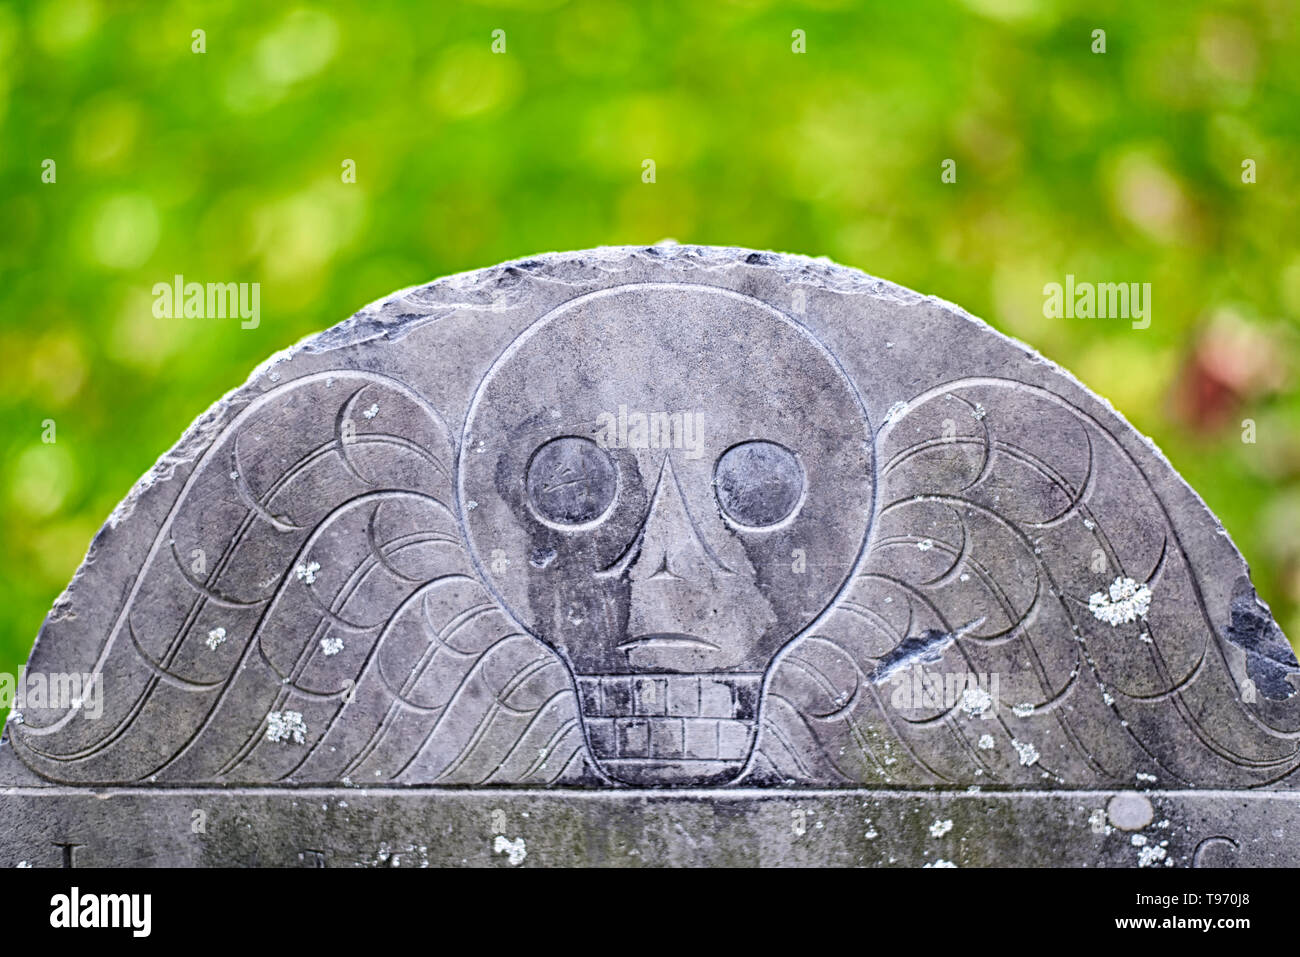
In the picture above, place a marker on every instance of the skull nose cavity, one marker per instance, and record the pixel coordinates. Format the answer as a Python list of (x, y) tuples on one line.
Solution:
[(671, 547), (670, 729)]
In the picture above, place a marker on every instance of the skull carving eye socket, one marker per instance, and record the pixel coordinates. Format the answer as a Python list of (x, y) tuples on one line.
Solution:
[(571, 481), (758, 484)]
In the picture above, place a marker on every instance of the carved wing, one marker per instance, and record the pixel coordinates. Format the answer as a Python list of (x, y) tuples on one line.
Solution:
[(1025, 615), (309, 612)]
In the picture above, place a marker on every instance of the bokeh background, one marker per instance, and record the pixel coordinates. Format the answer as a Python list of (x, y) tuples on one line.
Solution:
[(226, 166)]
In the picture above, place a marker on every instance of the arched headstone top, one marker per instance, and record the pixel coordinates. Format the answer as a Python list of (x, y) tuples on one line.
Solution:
[(667, 516)]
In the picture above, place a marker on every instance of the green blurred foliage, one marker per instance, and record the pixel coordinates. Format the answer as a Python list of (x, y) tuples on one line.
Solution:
[(225, 166)]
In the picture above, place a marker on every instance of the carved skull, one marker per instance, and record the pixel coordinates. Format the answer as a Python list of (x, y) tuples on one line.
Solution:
[(666, 484)]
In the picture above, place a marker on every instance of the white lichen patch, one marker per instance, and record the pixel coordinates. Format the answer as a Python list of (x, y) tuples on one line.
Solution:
[(1028, 753), (979, 411), (286, 725), (1127, 601), (515, 850), (940, 828), (939, 863), (1023, 710), (331, 646), (895, 412), (924, 545), (306, 572), (215, 637), (1151, 855), (1148, 778), (371, 412), (975, 701), (1138, 840), (985, 742)]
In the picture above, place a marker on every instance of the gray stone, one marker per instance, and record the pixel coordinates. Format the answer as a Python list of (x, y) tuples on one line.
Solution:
[(571, 559)]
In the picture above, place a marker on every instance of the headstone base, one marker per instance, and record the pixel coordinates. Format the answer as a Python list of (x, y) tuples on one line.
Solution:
[(415, 827)]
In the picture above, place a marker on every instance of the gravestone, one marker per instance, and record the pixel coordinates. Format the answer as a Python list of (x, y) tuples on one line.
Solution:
[(666, 555)]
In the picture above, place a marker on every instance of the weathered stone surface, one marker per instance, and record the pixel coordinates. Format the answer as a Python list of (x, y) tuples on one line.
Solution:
[(734, 827), (734, 526)]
